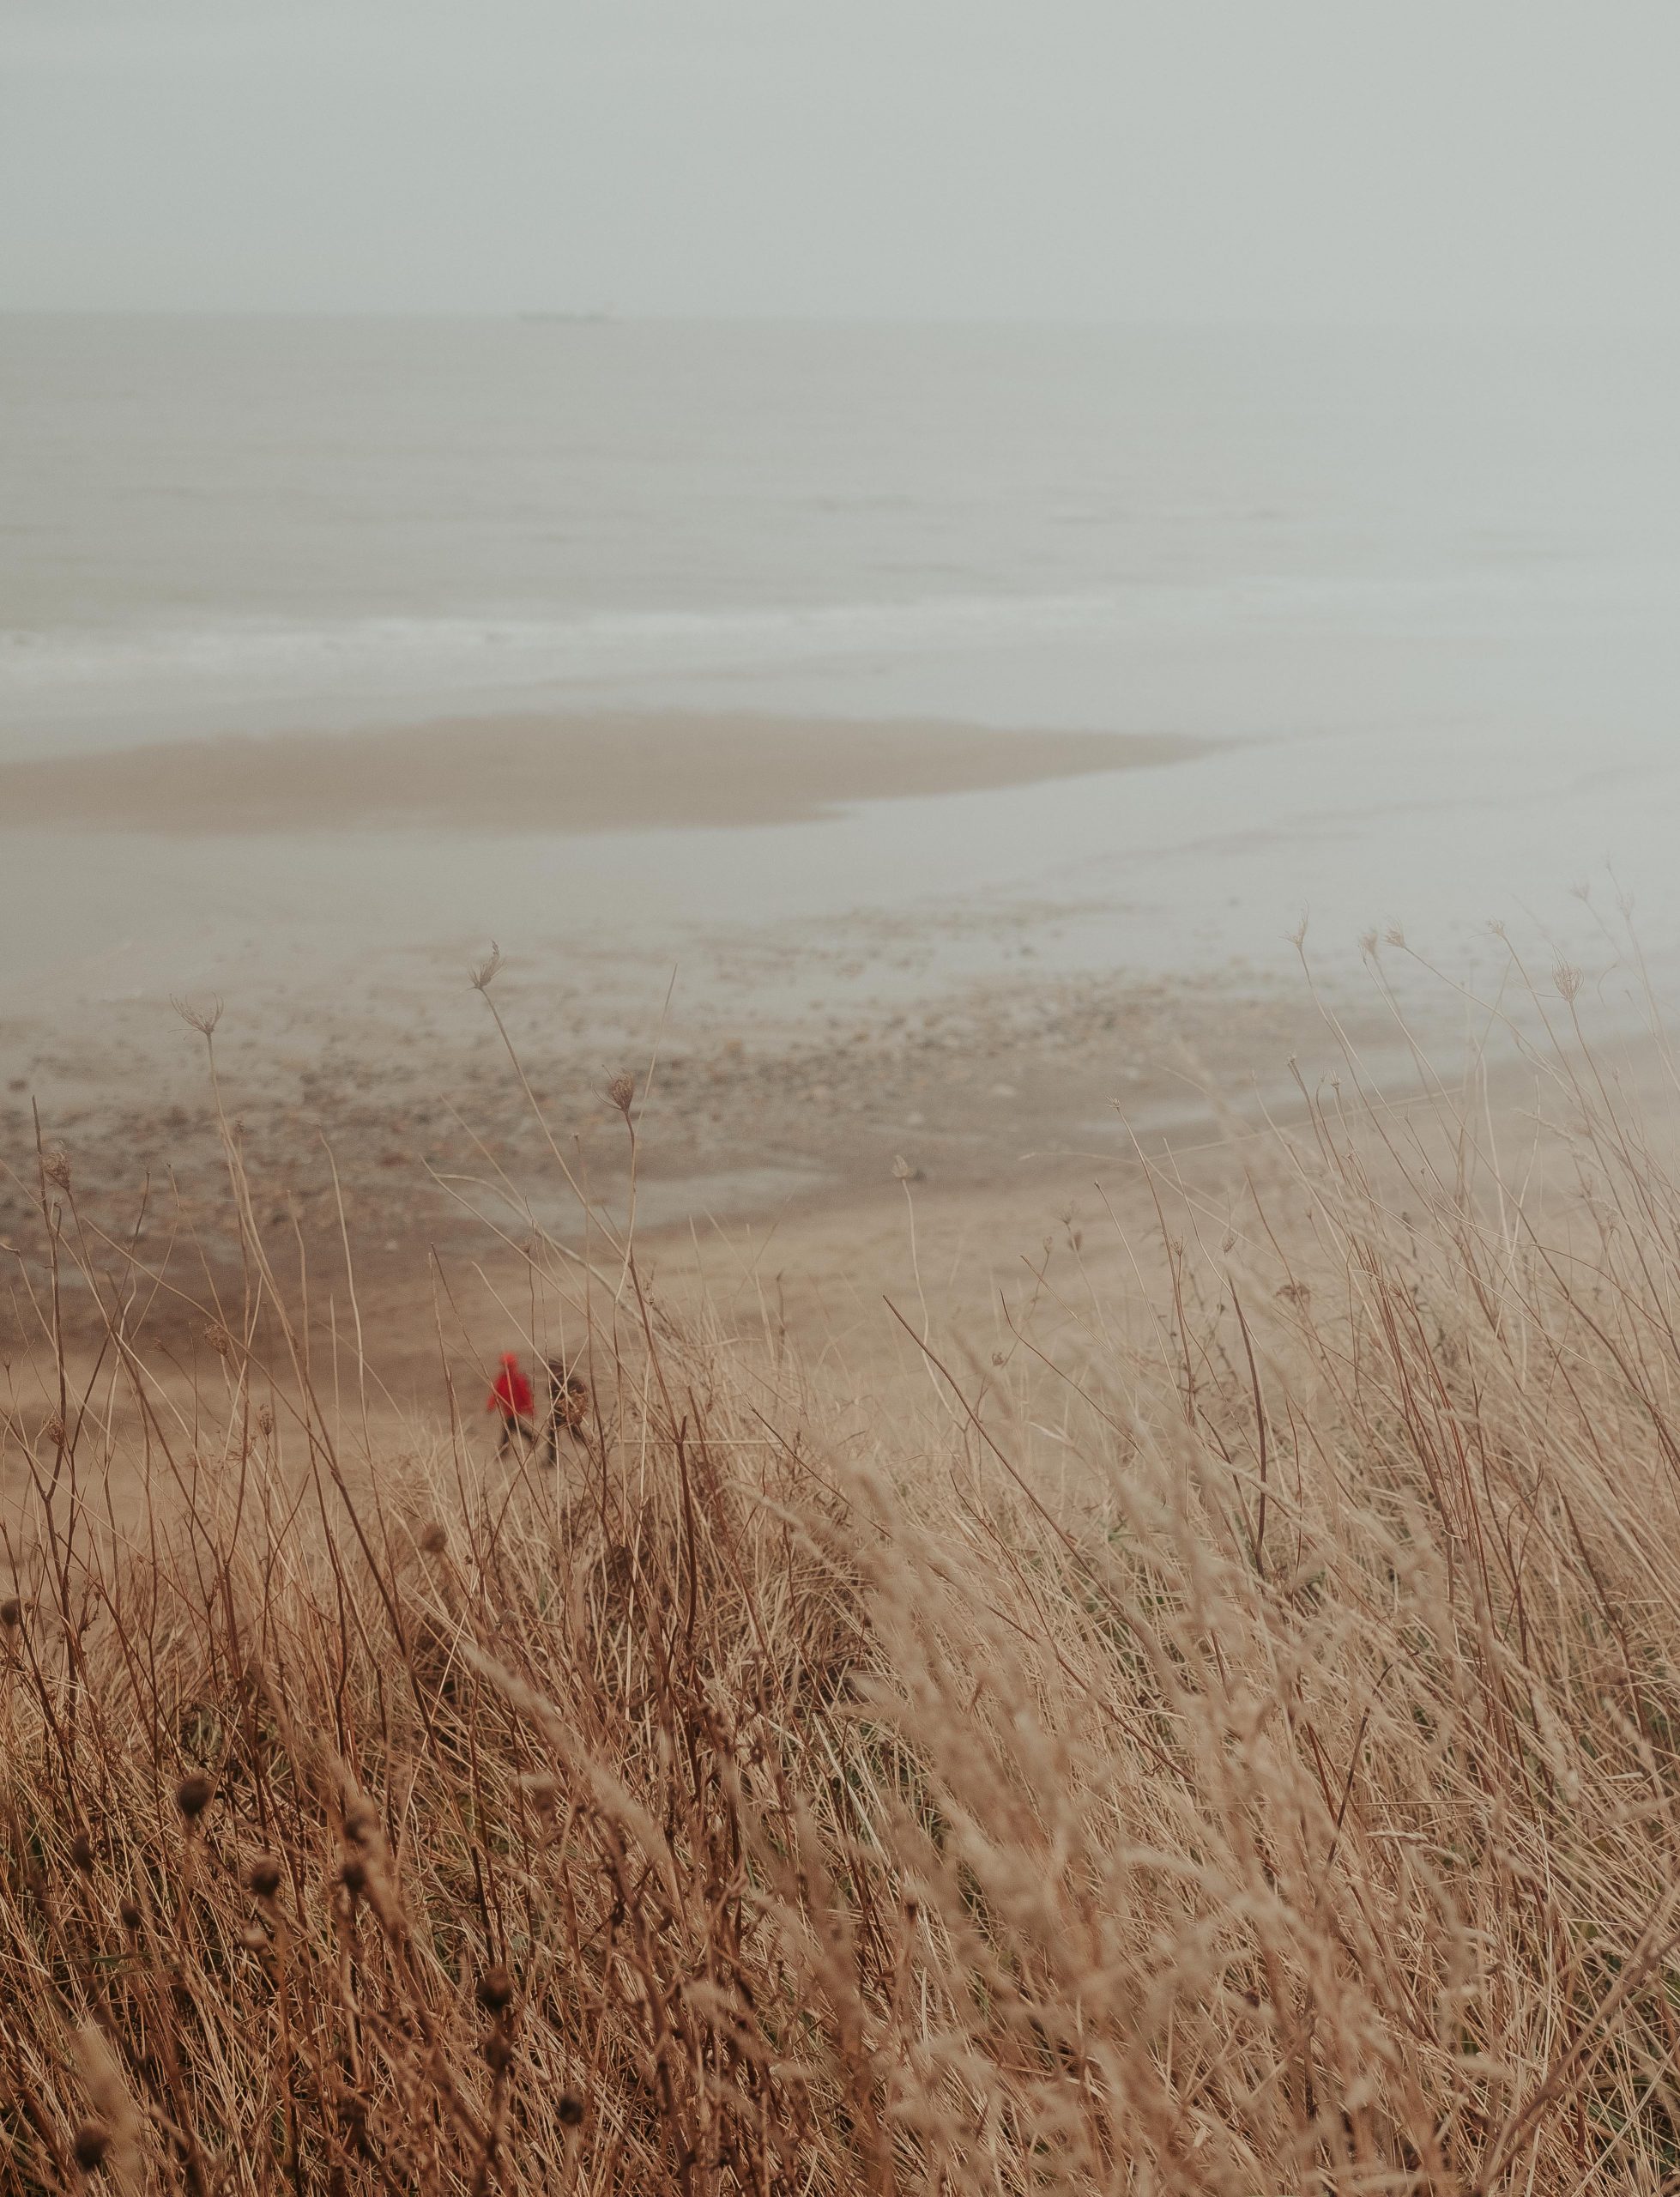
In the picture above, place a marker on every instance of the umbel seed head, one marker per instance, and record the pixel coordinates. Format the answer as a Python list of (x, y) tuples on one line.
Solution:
[(11, 1613), (263, 1876), (433, 1539), (622, 1091), (193, 1795), (82, 1852), (569, 2108), (495, 1990)]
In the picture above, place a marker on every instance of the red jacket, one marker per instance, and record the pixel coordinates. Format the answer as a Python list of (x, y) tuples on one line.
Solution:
[(510, 1392)]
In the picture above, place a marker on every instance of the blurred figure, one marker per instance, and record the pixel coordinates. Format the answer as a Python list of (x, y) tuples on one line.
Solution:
[(568, 1408), (510, 1395)]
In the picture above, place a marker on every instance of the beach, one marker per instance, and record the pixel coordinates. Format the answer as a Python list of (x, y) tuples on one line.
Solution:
[(885, 773), (1053, 1010)]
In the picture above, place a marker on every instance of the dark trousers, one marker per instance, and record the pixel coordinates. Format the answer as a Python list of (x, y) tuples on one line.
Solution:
[(512, 1426)]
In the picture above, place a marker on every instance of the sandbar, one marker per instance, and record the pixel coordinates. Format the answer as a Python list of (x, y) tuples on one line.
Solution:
[(571, 773)]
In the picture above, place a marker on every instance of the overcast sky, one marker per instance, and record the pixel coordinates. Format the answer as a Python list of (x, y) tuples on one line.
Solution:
[(1325, 159)]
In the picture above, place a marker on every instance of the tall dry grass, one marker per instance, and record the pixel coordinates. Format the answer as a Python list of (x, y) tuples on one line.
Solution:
[(1237, 1753)]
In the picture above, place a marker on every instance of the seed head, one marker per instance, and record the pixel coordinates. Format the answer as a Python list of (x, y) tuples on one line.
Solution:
[(55, 1166), (353, 1875), (202, 1019), (129, 1914), (622, 1093), (263, 1876), (91, 2143), (434, 1538), (495, 1990), (498, 2052), (569, 2108), (11, 1613), (81, 1852), (541, 1791), (194, 1795)]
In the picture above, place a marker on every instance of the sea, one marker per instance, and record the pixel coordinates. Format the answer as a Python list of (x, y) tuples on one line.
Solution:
[(1415, 593)]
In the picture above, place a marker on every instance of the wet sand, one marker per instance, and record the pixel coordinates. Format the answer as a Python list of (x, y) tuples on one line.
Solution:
[(564, 773), (408, 1112)]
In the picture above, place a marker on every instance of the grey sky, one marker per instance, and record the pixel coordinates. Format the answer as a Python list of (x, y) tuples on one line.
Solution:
[(1062, 158)]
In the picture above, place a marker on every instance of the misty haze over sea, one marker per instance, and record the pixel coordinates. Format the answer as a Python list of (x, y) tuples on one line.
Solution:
[(1419, 588)]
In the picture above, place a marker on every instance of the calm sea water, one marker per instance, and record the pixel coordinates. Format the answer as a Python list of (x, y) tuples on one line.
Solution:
[(1425, 587)]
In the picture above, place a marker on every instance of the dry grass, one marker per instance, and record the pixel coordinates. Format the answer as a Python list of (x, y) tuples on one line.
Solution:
[(1237, 1754)]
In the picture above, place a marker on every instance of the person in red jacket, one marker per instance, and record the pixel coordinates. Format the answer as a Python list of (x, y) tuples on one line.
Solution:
[(510, 1395)]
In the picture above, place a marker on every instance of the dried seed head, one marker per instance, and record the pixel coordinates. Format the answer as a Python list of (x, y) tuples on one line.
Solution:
[(90, 2144), (263, 1876), (219, 1340), (569, 2108), (11, 1613), (435, 1539), (203, 1019), (194, 1795), (498, 2052), (541, 1791), (265, 1420), (110, 2136), (55, 1166), (129, 1914), (353, 1875), (495, 1990), (622, 1093), (81, 1852)]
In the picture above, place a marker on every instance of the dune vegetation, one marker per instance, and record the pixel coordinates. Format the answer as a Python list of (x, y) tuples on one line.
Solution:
[(1228, 1742)]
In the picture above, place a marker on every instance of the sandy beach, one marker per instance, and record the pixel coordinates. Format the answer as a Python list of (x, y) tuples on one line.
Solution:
[(914, 790)]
